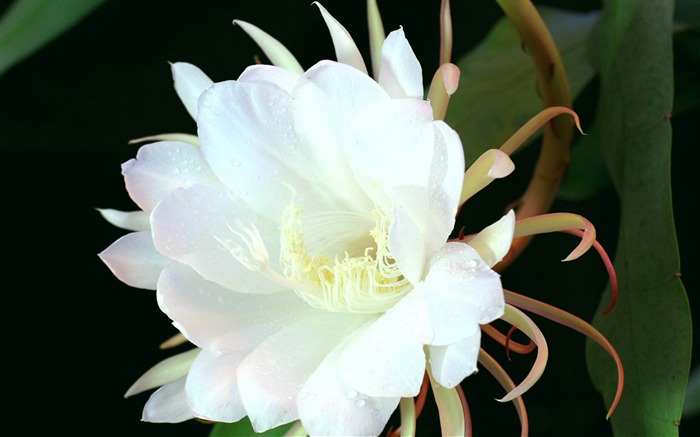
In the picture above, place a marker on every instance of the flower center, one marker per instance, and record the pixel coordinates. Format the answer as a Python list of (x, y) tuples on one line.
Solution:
[(366, 279)]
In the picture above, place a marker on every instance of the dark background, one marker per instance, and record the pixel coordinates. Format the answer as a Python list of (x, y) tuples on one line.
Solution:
[(75, 338)]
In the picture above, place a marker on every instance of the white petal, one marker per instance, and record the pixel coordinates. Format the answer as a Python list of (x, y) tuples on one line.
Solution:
[(406, 245), (269, 379), (132, 221), (461, 292), (248, 135), (386, 358), (191, 225), (165, 372), (400, 73), (452, 363), (494, 241), (346, 50), (268, 75), (222, 320), (134, 260), (329, 406), (273, 49), (162, 167), (168, 404), (212, 390), (190, 83)]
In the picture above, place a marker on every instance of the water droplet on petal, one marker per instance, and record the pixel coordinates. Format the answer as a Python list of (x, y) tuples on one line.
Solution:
[(351, 394), (360, 403)]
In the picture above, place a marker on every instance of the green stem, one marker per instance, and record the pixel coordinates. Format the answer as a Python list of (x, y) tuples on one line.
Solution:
[(558, 133)]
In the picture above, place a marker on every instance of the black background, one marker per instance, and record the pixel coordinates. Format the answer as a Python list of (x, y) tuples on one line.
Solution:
[(75, 338)]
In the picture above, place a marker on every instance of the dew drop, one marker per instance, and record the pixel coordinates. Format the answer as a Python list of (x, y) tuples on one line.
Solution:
[(360, 403), (351, 394)]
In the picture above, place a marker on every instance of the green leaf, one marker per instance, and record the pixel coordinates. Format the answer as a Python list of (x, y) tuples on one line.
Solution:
[(650, 327), (497, 92), (587, 174), (243, 428), (28, 25)]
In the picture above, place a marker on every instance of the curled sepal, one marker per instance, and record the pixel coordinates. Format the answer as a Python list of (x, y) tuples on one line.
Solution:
[(555, 222), (450, 409), (521, 321), (507, 383), (297, 430), (275, 51), (444, 84), (346, 50), (164, 372), (504, 340), (534, 124), (492, 164), (183, 138), (567, 319), (376, 36)]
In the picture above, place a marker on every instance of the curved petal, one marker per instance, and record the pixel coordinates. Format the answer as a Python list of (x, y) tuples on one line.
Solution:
[(168, 404), (132, 220), (461, 292), (400, 73), (346, 50), (406, 246), (452, 363), (273, 49), (329, 406), (193, 225), (269, 379), (165, 372), (134, 260), (386, 358), (190, 83), (222, 320), (212, 390), (162, 167), (493, 242)]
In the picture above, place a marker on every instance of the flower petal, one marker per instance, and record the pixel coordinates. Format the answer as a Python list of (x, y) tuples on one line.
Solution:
[(400, 73), (269, 379), (162, 167), (221, 320), (190, 83), (346, 50), (132, 221), (329, 406), (406, 246), (212, 390), (134, 260), (461, 292), (273, 49), (168, 404), (493, 242), (386, 358), (452, 363), (192, 225), (165, 372)]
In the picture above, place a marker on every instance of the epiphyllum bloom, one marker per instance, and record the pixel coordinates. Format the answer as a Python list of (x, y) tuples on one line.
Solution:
[(302, 246)]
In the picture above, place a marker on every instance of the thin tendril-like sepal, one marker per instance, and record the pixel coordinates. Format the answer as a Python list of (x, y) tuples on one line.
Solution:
[(444, 84), (450, 409), (534, 124), (608, 266), (492, 164), (175, 340), (521, 321), (465, 412), (555, 222), (407, 407), (183, 138), (376, 36), (445, 32), (567, 319), (507, 383), (505, 341)]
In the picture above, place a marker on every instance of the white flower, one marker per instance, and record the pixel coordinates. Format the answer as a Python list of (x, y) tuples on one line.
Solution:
[(303, 247)]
